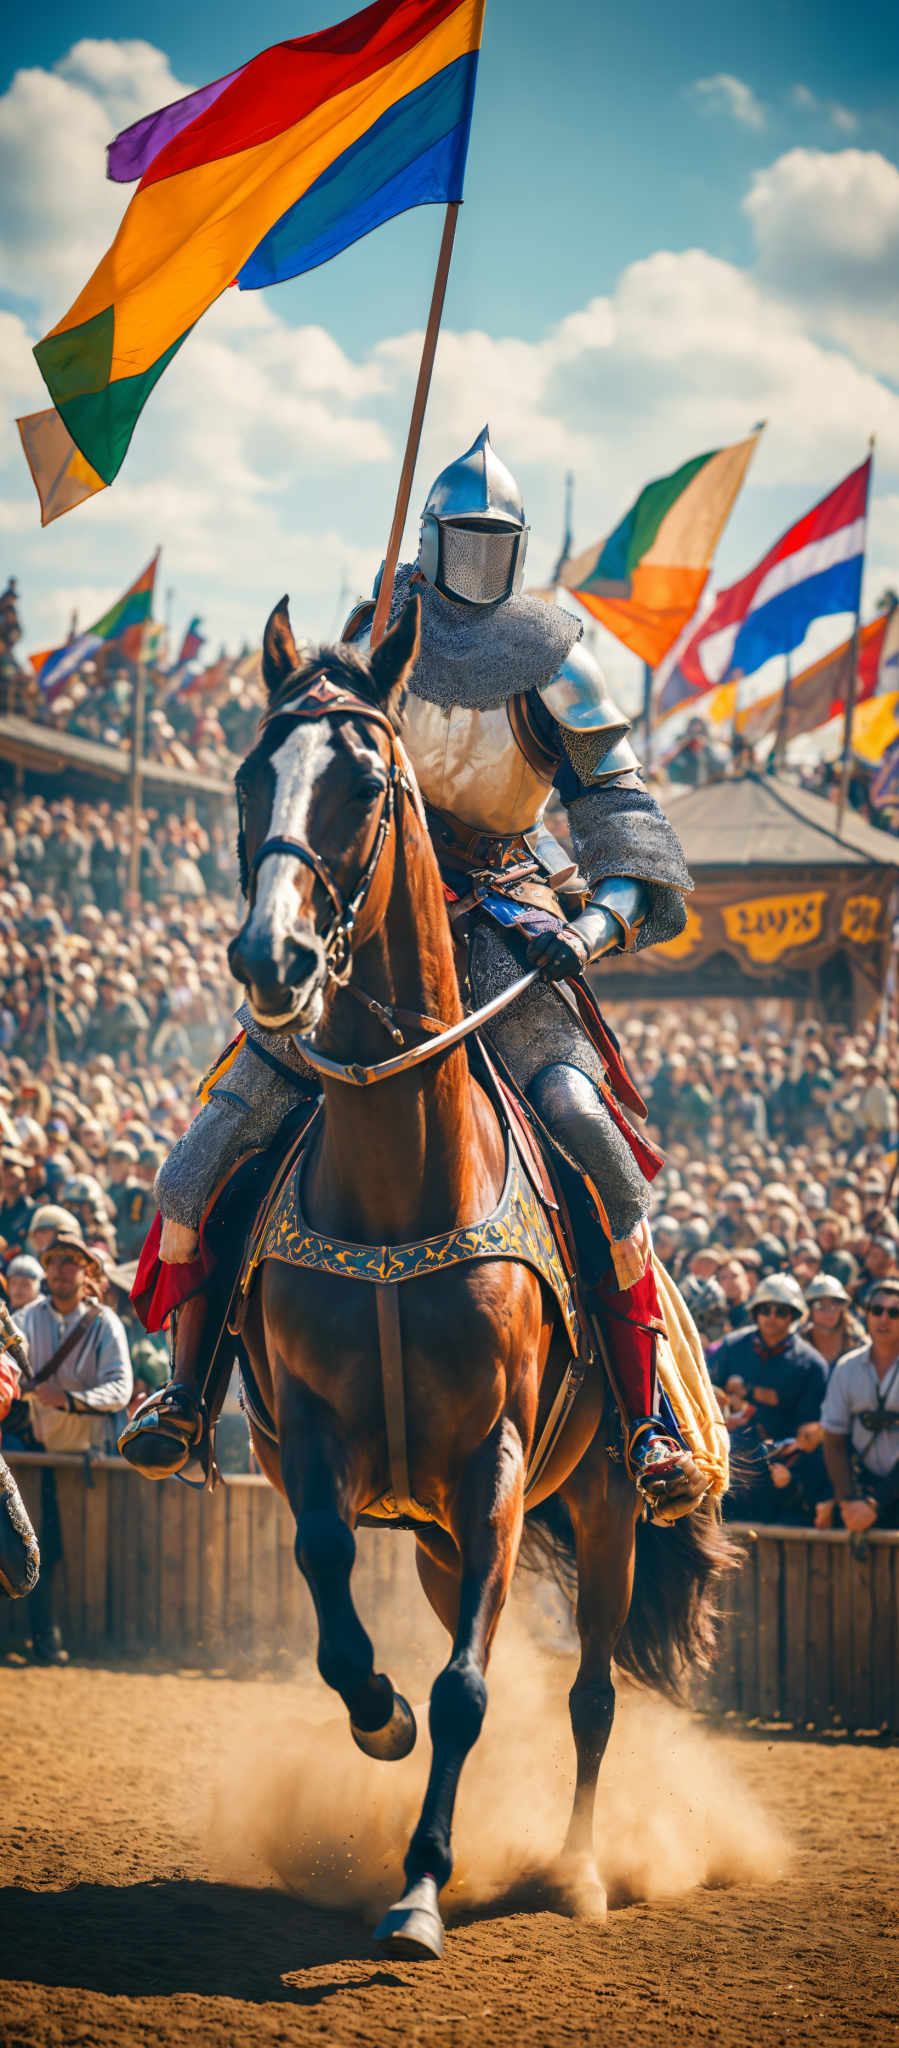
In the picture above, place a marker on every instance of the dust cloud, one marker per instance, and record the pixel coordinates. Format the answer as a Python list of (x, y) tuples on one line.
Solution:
[(298, 1802)]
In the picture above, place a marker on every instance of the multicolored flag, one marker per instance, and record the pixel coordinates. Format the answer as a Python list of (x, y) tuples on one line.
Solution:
[(814, 571), (259, 177), (191, 644), (819, 692), (123, 624), (645, 582)]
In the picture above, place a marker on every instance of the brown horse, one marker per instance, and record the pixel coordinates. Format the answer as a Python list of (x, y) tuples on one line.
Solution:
[(346, 930)]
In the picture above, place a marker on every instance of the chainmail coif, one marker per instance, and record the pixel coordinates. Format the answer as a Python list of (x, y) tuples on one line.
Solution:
[(480, 657)]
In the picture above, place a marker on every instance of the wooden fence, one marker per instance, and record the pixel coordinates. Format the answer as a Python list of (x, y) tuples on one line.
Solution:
[(811, 1636), (812, 1632)]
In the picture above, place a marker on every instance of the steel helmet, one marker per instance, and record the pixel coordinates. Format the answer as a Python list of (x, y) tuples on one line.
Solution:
[(83, 1188), (707, 1303), (782, 1289), (826, 1287), (473, 534)]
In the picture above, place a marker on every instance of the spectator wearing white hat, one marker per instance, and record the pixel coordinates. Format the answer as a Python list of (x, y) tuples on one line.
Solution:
[(79, 1380), (24, 1277)]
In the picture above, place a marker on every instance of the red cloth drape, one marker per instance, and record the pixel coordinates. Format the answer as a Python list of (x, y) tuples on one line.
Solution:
[(158, 1288)]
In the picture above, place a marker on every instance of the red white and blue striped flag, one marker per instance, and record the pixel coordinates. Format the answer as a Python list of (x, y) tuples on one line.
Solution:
[(813, 571)]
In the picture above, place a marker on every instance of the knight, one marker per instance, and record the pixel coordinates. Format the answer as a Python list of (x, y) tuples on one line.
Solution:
[(506, 709)]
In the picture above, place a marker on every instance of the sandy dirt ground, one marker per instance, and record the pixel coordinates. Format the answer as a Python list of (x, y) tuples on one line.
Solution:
[(197, 1859)]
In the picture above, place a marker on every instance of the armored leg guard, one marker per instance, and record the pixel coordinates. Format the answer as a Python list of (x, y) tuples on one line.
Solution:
[(629, 1320)]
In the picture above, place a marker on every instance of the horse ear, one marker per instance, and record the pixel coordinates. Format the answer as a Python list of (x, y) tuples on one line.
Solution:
[(396, 655), (280, 658)]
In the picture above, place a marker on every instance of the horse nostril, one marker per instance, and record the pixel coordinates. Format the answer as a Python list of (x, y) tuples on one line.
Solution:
[(302, 964), (237, 961)]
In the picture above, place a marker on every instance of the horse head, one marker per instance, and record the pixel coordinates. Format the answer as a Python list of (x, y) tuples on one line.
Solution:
[(312, 800)]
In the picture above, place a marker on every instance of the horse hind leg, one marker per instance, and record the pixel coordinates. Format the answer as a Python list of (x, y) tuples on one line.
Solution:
[(603, 1520), (487, 1532), (313, 1466)]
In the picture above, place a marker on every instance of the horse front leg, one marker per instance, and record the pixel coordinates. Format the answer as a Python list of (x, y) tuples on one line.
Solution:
[(601, 1505), (317, 1483), (487, 1530)]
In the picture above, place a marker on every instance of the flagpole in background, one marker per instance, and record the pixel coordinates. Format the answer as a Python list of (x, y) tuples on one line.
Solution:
[(780, 737), (382, 608), (647, 711), (138, 709), (853, 660), (138, 720)]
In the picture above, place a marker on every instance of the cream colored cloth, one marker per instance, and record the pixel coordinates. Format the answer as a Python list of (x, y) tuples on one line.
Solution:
[(684, 1377)]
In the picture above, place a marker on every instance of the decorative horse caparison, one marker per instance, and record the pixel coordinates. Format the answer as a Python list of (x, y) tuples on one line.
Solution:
[(329, 819)]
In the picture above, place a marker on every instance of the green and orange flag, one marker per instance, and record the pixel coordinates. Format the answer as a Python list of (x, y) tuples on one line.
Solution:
[(645, 581)]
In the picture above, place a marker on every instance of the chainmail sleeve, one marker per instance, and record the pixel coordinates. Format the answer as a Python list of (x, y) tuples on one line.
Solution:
[(622, 831)]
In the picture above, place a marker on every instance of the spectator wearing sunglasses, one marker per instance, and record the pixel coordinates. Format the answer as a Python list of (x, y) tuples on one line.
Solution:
[(861, 1423), (772, 1386)]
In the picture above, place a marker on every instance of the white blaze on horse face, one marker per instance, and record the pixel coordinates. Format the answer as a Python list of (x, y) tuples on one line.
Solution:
[(297, 765)]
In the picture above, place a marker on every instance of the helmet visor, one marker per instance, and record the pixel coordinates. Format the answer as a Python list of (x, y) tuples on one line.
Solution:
[(478, 563)]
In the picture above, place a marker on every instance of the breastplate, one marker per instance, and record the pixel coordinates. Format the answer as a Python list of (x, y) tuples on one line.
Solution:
[(470, 763)]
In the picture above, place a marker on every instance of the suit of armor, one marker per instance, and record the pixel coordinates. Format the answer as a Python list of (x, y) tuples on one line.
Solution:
[(505, 710)]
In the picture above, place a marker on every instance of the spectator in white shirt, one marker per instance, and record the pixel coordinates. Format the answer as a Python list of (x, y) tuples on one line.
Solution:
[(860, 1419), (72, 1408)]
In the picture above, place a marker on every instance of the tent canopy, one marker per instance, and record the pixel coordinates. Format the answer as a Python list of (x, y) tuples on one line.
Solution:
[(783, 903), (759, 821)]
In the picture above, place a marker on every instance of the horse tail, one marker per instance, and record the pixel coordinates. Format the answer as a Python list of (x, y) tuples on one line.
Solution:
[(672, 1623)]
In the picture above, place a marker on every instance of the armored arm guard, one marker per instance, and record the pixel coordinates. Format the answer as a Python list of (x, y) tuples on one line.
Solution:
[(629, 852)]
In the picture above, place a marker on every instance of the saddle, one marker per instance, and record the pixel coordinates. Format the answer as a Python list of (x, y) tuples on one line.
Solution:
[(530, 1224)]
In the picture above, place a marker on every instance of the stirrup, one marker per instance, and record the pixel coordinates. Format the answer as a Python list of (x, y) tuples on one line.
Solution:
[(164, 1432), (664, 1472)]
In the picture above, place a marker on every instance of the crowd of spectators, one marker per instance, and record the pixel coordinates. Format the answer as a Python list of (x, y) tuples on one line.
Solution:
[(701, 756), (200, 720), (775, 1211)]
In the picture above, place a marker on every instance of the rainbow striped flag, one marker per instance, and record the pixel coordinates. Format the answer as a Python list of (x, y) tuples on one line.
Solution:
[(124, 623), (259, 177), (645, 581)]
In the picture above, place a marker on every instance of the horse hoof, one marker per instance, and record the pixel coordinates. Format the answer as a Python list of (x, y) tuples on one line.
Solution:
[(578, 1888), (413, 1926), (394, 1740)]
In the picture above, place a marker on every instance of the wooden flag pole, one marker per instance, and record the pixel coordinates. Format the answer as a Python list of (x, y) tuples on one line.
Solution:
[(404, 492), (138, 720), (846, 767), (780, 737)]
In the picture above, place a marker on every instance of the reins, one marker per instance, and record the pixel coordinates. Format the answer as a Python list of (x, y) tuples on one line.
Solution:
[(322, 699)]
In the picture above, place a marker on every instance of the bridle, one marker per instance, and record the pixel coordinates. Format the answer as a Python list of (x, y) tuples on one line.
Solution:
[(321, 699)]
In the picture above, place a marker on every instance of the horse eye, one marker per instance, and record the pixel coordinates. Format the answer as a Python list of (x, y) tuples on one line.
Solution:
[(367, 791)]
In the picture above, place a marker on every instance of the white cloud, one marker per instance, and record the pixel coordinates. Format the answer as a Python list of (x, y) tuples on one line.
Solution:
[(267, 458), (725, 94), (59, 212), (826, 225), (808, 102), (129, 78)]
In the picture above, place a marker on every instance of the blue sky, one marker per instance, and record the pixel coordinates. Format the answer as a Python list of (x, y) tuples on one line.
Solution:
[(674, 224)]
